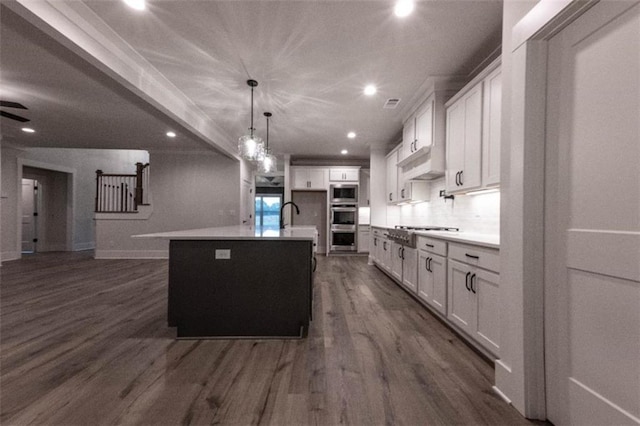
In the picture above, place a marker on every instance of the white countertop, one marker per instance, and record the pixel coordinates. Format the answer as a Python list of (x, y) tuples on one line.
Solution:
[(486, 240), (238, 233)]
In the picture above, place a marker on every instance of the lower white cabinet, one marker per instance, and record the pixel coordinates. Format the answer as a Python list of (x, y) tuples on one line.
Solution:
[(432, 280), (473, 303), (410, 268), (459, 281), (363, 238), (396, 261), (432, 273)]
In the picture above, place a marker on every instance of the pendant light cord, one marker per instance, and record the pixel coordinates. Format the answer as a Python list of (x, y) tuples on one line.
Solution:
[(251, 128)]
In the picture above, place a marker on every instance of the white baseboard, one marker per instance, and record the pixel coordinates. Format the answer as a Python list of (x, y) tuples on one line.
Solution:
[(131, 254), (501, 395), (84, 246), (143, 213), (6, 256)]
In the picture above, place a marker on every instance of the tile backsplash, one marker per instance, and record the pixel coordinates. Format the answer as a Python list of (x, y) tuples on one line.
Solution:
[(470, 213)]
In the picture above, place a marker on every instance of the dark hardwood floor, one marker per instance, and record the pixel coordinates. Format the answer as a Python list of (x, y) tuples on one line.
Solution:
[(85, 342)]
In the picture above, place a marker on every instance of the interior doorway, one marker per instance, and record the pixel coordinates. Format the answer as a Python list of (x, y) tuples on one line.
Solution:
[(45, 210), (29, 215), (313, 211)]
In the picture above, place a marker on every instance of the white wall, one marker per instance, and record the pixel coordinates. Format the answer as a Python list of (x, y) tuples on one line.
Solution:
[(188, 191), (470, 213), (510, 369), (81, 164)]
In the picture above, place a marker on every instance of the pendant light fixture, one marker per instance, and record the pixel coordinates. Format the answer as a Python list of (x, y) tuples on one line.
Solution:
[(269, 162), (250, 147)]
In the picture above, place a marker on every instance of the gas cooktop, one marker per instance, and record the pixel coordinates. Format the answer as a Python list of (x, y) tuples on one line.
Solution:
[(425, 228), (405, 234)]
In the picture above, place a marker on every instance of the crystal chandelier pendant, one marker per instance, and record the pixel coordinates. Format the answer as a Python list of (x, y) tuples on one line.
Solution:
[(268, 162), (251, 147)]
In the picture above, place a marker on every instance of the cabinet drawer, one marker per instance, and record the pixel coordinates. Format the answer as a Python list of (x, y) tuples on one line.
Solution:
[(432, 245), (378, 232), (482, 257)]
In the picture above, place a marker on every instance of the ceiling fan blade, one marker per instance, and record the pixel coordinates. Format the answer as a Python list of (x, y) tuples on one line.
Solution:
[(10, 104), (14, 117)]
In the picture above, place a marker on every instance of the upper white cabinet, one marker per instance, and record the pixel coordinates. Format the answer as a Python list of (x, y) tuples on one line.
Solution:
[(392, 175), (492, 119), (464, 141), (344, 175), (423, 137), (417, 132), (363, 190), (473, 133), (309, 178)]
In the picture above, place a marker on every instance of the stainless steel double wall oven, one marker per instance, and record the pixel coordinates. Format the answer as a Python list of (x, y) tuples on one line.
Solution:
[(344, 218)]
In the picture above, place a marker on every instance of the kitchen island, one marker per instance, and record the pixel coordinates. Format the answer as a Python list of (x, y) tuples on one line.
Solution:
[(240, 281)]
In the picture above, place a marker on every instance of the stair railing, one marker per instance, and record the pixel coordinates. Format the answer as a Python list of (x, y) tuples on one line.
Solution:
[(122, 193)]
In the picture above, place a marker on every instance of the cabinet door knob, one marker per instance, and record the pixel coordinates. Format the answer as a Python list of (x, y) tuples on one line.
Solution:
[(466, 281), (430, 259), (457, 177), (472, 256), (426, 263), (473, 277), (461, 173)]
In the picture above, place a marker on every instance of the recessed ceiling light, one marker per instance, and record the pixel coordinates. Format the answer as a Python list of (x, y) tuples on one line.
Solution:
[(28, 130), (344, 152), (370, 90), (403, 8), (351, 135), (171, 134), (136, 4)]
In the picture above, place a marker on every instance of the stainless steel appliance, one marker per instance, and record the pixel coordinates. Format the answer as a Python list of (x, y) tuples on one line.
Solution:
[(343, 193), (343, 238), (344, 215), (406, 236), (344, 228)]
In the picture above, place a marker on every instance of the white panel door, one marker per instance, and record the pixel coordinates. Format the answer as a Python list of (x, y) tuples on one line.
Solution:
[(592, 219), (29, 210), (410, 268)]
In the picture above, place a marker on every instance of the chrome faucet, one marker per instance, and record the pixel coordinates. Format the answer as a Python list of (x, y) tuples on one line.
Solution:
[(281, 210)]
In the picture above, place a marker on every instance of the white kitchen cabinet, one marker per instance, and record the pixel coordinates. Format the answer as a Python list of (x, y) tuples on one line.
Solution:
[(404, 266), (432, 273), (344, 175), (473, 294), (414, 191), (309, 178), (363, 195), (464, 139), (392, 175), (385, 254), (417, 132), (364, 234), (410, 268), (492, 115), (473, 121), (396, 260)]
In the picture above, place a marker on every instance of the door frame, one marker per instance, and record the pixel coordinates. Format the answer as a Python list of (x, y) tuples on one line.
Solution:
[(71, 187), (520, 373)]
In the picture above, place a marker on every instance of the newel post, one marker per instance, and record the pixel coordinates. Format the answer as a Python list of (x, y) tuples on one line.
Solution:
[(98, 176), (138, 197)]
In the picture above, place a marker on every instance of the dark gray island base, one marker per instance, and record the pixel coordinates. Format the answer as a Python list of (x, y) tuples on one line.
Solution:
[(240, 288)]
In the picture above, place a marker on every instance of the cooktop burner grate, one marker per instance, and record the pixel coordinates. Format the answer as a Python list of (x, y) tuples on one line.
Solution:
[(425, 228)]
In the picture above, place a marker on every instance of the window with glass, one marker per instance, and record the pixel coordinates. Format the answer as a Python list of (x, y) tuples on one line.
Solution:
[(268, 210)]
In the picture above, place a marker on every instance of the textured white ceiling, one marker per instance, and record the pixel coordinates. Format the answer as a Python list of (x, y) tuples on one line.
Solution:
[(311, 59)]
